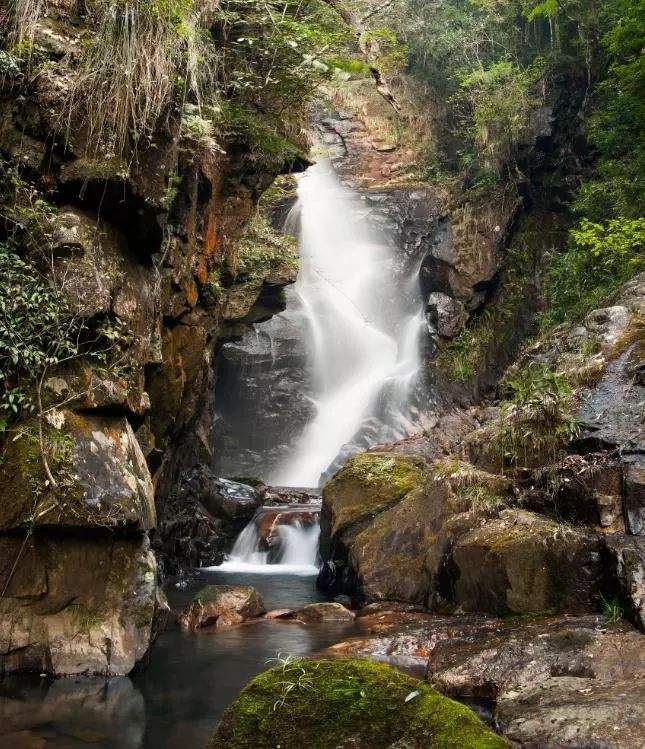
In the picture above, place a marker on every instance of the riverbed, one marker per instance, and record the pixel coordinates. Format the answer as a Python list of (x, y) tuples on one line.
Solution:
[(186, 682)]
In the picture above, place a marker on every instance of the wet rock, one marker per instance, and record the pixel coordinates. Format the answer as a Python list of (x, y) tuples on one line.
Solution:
[(222, 606), (524, 563), (262, 396), (545, 677), (446, 315), (323, 612), (102, 477), (347, 703), (405, 639), (75, 605), (566, 711), (627, 568), (227, 499)]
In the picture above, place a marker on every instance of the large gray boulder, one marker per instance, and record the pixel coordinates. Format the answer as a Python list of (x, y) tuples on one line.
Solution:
[(75, 605)]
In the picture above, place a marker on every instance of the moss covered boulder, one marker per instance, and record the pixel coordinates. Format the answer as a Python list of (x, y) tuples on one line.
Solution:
[(367, 485), (343, 703), (388, 556), (101, 477), (524, 563)]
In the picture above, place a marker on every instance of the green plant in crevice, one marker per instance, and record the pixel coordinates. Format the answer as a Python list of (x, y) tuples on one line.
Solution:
[(537, 418), (612, 608)]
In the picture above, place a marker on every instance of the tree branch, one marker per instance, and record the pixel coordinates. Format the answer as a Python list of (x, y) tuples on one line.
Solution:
[(369, 48)]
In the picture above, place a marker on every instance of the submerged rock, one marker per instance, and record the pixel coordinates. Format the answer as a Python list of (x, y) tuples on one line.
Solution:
[(223, 606), (347, 703)]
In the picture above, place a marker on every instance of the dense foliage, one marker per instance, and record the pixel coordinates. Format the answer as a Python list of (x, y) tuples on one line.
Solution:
[(487, 65)]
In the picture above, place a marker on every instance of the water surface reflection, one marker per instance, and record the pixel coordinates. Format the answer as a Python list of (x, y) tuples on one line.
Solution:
[(177, 699)]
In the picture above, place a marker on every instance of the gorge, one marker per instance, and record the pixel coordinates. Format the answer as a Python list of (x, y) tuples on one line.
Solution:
[(321, 374)]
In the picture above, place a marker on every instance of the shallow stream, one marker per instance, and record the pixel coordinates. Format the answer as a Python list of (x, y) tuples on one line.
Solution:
[(189, 679)]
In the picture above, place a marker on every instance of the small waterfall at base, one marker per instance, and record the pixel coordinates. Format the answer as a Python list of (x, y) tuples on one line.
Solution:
[(278, 540)]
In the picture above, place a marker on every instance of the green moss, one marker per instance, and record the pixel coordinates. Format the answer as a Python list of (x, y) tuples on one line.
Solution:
[(322, 704), (263, 250), (395, 474), (368, 484)]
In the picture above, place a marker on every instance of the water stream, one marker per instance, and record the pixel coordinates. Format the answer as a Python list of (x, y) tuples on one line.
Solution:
[(362, 322), (294, 547)]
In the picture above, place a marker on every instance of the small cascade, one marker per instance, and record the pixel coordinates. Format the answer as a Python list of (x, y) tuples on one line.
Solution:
[(278, 540)]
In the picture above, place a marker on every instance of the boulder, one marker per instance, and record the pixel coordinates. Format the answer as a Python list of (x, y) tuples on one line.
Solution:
[(75, 605), (323, 612), (347, 703), (388, 556), (446, 315), (524, 563), (368, 484), (222, 606), (102, 480)]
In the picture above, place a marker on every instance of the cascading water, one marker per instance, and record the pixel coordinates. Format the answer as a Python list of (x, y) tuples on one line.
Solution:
[(363, 324), (290, 543), (357, 312)]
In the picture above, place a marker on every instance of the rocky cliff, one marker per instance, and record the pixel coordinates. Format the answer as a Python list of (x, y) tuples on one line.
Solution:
[(142, 250)]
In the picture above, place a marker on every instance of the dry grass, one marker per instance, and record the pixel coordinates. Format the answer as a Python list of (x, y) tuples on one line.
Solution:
[(145, 55)]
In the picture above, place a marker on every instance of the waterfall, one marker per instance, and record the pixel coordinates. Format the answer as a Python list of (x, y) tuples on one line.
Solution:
[(287, 545), (363, 321)]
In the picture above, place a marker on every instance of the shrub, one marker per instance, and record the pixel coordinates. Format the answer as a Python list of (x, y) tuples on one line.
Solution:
[(598, 259), (38, 329), (127, 77), (537, 418)]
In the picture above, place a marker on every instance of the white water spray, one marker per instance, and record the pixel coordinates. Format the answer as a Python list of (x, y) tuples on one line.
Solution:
[(363, 328), (297, 553)]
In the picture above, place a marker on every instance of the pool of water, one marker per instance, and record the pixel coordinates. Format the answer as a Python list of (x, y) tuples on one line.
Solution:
[(176, 699)]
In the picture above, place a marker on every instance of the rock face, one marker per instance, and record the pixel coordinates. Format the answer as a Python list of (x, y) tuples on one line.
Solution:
[(75, 605), (144, 253), (222, 606), (358, 704), (103, 478)]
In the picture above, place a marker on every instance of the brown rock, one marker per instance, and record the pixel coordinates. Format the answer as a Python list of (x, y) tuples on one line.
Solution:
[(232, 604), (75, 605), (323, 612)]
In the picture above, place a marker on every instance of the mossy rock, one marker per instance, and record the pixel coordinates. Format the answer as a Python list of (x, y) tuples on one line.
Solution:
[(367, 485), (343, 703)]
